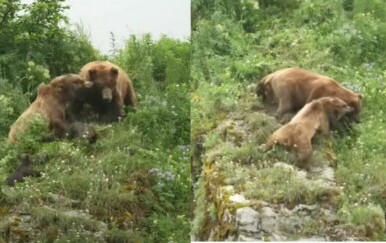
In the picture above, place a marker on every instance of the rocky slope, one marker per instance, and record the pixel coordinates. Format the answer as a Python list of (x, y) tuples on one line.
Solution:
[(245, 194)]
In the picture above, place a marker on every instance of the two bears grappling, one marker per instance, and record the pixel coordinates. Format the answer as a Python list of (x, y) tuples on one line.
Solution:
[(319, 100), (101, 85)]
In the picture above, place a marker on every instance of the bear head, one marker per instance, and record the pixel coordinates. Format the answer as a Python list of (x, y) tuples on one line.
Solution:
[(65, 87), (335, 108), (356, 104), (105, 80)]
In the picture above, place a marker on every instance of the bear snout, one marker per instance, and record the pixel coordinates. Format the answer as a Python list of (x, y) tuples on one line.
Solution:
[(349, 109), (353, 116), (107, 94), (88, 84)]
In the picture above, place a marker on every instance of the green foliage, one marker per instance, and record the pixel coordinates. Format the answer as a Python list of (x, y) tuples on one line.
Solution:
[(200, 210), (12, 104), (377, 8), (33, 34), (28, 141), (282, 5), (164, 62), (279, 184), (368, 220), (124, 236)]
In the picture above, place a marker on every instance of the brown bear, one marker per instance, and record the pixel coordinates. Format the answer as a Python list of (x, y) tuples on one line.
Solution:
[(111, 91), (25, 169), (292, 88), (51, 103), (314, 116)]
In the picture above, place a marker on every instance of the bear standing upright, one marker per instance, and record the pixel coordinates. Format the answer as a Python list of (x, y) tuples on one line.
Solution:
[(112, 90)]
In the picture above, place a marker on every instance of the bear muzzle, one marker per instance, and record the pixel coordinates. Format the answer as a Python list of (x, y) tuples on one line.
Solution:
[(107, 94), (88, 84), (349, 109)]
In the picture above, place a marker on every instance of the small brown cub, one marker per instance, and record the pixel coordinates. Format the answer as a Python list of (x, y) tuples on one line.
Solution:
[(25, 169), (314, 116)]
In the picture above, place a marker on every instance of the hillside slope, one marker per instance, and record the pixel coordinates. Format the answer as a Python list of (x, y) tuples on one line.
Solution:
[(243, 193), (132, 185)]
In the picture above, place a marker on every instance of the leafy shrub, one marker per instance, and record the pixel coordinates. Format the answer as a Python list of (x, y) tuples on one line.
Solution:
[(368, 220), (12, 104)]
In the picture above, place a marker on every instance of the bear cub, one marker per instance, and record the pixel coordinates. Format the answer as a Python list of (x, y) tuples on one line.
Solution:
[(25, 169), (315, 116)]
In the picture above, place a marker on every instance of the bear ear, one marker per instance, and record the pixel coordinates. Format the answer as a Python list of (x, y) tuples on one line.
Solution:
[(114, 71), (43, 89), (361, 96), (57, 87), (92, 73)]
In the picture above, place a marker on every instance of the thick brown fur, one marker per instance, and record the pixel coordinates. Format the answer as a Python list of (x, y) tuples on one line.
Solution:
[(314, 116), (25, 169), (292, 88), (51, 103), (112, 90)]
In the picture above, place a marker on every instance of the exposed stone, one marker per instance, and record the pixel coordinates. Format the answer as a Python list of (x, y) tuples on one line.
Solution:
[(284, 166), (246, 215), (238, 198), (247, 238), (276, 237), (247, 219), (304, 207), (267, 212), (312, 239), (228, 188), (268, 220), (63, 200)]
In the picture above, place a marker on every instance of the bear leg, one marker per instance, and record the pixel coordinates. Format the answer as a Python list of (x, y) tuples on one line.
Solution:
[(285, 106), (304, 151), (113, 113)]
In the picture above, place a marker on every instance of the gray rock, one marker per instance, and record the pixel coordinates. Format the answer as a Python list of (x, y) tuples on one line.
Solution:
[(247, 219), (312, 239), (284, 166), (276, 237), (248, 238), (267, 212), (64, 201), (238, 198), (268, 220), (246, 215), (304, 207)]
